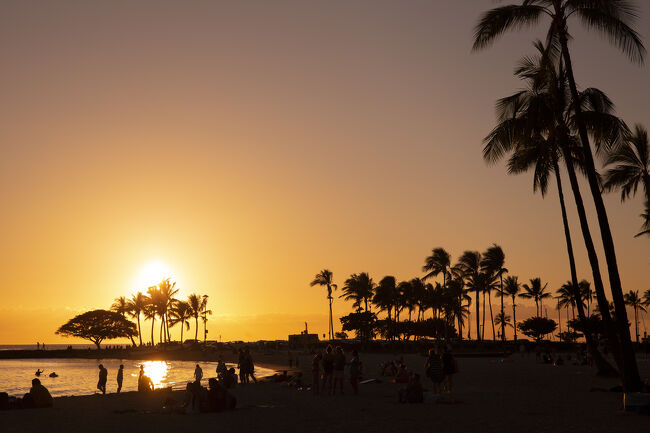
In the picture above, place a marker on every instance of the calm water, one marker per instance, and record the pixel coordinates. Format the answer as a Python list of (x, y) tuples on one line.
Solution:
[(79, 376)]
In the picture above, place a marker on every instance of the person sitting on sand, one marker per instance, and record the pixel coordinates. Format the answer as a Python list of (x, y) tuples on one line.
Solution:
[(315, 369), (328, 369), (433, 369), (144, 382), (230, 378), (103, 377), (192, 402), (38, 396), (221, 369), (38, 372)]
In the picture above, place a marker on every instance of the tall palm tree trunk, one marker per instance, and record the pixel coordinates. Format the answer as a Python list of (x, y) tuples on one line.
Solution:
[(330, 331), (491, 317), (182, 326), (196, 328), (139, 330), (603, 367), (153, 320), (483, 322), (636, 324), (603, 303), (503, 325), (478, 316), (630, 371), (514, 316)]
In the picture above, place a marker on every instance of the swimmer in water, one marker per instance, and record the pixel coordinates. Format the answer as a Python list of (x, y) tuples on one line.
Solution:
[(38, 372), (53, 374)]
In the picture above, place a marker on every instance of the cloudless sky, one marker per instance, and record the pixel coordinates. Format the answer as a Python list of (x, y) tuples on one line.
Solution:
[(248, 145)]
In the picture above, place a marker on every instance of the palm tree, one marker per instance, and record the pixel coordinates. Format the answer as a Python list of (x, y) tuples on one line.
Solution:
[(385, 296), (630, 165), (469, 265), (645, 228), (646, 298), (633, 299), (325, 278), (137, 305), (566, 297), (150, 312), (204, 316), (121, 307), (536, 292), (502, 320), (167, 292), (614, 18), (197, 305), (180, 312), (359, 288), (586, 294), (437, 263), (535, 126), (512, 289), (493, 263)]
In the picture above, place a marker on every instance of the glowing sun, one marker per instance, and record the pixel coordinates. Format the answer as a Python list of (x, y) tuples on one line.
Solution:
[(153, 273)]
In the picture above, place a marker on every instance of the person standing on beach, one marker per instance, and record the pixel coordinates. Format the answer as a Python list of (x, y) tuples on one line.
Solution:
[(449, 368), (328, 369), (250, 365), (433, 369), (198, 373), (339, 369), (243, 377), (103, 377), (120, 378), (315, 369), (355, 372)]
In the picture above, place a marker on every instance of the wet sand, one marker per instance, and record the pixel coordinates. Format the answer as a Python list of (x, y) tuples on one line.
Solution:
[(512, 396)]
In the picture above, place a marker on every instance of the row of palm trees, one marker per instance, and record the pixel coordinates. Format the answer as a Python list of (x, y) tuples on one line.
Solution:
[(552, 122), (160, 303), (475, 273)]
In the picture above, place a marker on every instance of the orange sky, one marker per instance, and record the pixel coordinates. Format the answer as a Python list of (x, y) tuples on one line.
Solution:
[(247, 145)]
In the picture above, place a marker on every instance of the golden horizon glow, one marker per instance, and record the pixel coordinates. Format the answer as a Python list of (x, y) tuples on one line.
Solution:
[(151, 274)]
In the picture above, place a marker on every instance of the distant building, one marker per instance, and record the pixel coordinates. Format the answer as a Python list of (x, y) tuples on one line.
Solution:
[(303, 339)]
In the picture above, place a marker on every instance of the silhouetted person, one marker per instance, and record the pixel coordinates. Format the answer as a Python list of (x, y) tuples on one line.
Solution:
[(38, 372), (53, 374), (250, 366), (339, 369), (448, 369), (103, 377), (328, 369), (198, 373), (144, 382), (241, 364), (221, 370), (38, 396), (230, 378), (120, 378), (433, 369)]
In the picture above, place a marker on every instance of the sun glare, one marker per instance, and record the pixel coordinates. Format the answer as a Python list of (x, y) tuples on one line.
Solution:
[(153, 273), (157, 371)]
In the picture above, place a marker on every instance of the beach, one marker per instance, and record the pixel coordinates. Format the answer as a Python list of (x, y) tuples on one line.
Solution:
[(492, 395)]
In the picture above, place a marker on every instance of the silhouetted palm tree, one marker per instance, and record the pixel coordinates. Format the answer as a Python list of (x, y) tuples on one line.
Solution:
[(633, 299), (469, 265), (645, 228), (629, 165), (502, 320), (180, 312), (614, 19), (167, 292), (493, 263), (359, 288), (137, 305), (586, 294), (566, 297), (385, 297), (121, 307), (536, 292), (512, 288), (204, 316), (197, 305), (150, 312), (437, 263), (646, 298), (325, 278)]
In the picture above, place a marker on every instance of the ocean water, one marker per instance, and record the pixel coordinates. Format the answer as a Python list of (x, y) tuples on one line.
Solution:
[(80, 376), (47, 346)]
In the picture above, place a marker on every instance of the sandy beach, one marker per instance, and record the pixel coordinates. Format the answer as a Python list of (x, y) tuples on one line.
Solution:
[(494, 395)]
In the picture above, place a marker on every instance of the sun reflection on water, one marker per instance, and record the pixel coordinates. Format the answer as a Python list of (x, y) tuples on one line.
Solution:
[(157, 371)]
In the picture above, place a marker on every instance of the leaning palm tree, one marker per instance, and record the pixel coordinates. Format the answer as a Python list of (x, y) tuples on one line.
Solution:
[(493, 263), (535, 125), (646, 298), (180, 312), (512, 288), (121, 307), (437, 263), (630, 165), (137, 305), (633, 299), (536, 292), (325, 278), (645, 228), (613, 18)]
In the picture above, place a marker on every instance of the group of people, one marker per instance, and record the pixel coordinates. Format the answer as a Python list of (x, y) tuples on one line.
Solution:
[(37, 397), (246, 366), (440, 368), (215, 398), (333, 364)]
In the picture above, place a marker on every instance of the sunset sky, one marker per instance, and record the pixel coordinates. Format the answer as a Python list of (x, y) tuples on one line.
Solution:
[(247, 145)]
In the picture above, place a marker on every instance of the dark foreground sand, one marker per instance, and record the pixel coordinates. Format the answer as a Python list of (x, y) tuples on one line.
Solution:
[(517, 395)]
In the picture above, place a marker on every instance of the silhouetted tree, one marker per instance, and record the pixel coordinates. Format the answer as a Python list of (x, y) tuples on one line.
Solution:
[(121, 307), (97, 326), (325, 278), (537, 327), (512, 289), (536, 292), (633, 299)]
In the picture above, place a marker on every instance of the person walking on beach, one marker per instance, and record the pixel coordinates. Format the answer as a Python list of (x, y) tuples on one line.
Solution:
[(103, 377), (250, 365), (120, 378), (433, 369), (198, 373), (355, 372), (315, 369), (242, 367), (328, 369), (339, 369)]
